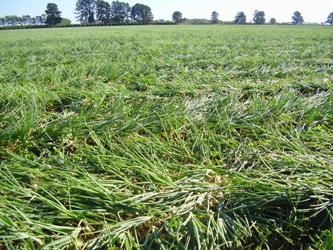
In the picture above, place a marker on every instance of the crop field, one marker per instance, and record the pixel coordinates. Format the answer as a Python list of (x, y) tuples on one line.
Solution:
[(166, 137)]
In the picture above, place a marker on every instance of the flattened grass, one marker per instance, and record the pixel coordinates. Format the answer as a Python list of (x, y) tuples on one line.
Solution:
[(187, 137)]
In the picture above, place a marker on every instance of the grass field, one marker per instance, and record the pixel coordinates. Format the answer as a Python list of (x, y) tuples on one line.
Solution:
[(182, 137)]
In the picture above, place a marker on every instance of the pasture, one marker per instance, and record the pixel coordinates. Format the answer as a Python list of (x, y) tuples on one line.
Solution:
[(166, 137)]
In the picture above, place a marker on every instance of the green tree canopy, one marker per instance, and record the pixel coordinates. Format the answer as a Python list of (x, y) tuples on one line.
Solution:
[(12, 20), (85, 10), (297, 18), (41, 19), (26, 19), (240, 18), (103, 12), (272, 20), (259, 17), (141, 13), (53, 15), (330, 18), (23, 20), (120, 12), (177, 17), (215, 17), (65, 21)]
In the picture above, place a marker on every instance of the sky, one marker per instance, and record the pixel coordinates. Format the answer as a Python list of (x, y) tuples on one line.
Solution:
[(312, 10)]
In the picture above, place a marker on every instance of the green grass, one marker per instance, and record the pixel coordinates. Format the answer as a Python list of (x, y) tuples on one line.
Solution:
[(182, 137)]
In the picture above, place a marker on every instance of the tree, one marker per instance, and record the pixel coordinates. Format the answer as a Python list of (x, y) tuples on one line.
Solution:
[(53, 15), (86, 11), (65, 22), (141, 13), (120, 12), (42, 19), (33, 21), (23, 20), (272, 21), (12, 20), (39, 20), (2, 21), (330, 18), (26, 19), (177, 17), (103, 12), (259, 17), (215, 17), (240, 18), (297, 18), (20, 20)]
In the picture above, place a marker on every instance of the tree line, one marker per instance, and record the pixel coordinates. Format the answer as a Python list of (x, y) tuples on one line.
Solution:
[(52, 16), (22, 20), (89, 12), (240, 18), (102, 12)]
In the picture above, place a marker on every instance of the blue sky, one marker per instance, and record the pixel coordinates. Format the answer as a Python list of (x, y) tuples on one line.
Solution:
[(312, 10)]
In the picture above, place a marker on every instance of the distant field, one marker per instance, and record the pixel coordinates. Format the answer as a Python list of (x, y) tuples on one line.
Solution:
[(182, 137)]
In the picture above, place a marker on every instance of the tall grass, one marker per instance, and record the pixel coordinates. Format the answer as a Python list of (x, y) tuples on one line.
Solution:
[(166, 138)]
